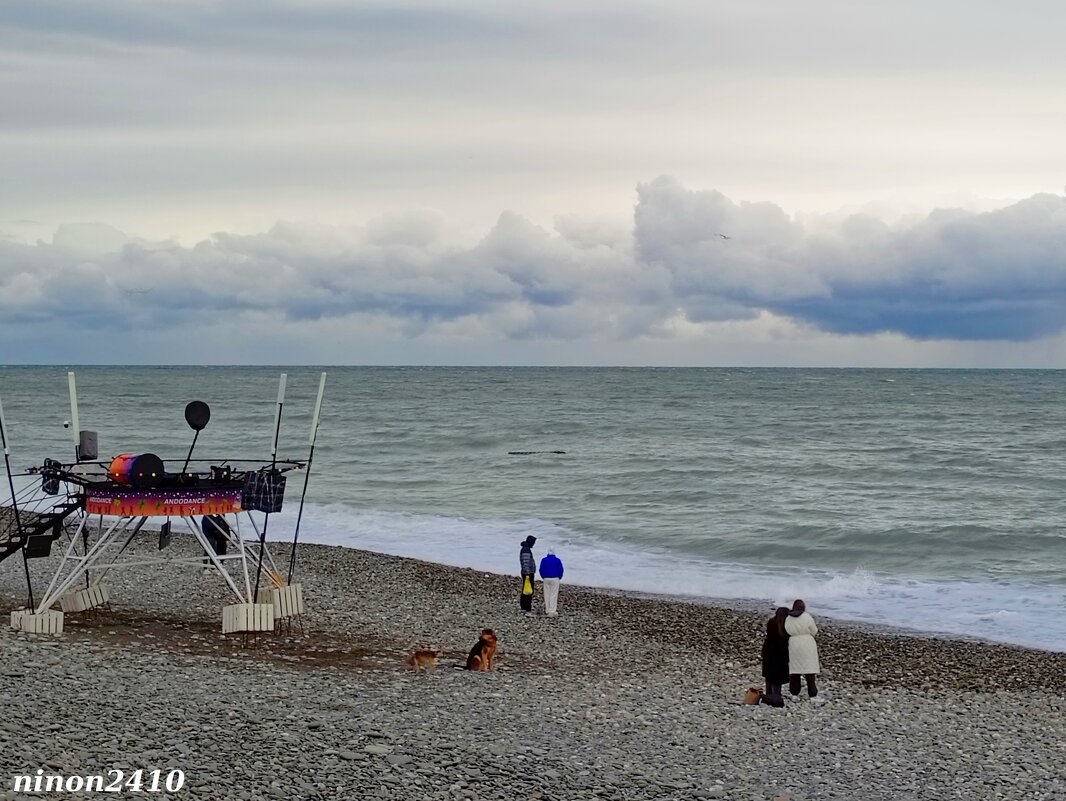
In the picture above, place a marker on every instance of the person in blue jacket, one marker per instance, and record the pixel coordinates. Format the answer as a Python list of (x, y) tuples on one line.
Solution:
[(551, 573)]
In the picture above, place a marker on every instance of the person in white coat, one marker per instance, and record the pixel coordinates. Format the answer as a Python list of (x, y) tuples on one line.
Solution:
[(802, 649)]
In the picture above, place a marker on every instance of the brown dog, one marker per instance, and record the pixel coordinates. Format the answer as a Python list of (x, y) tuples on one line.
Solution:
[(424, 660), (483, 654)]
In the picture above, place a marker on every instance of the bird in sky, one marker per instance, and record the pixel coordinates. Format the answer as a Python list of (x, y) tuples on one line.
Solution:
[(723, 236)]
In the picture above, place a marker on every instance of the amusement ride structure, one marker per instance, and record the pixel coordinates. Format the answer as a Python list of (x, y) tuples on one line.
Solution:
[(92, 511)]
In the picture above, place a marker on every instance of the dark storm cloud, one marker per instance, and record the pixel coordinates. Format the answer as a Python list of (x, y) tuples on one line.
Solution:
[(950, 275)]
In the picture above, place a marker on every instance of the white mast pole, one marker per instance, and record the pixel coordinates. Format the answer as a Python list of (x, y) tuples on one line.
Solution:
[(318, 409), (277, 418), (307, 474), (75, 424), (273, 465), (3, 428)]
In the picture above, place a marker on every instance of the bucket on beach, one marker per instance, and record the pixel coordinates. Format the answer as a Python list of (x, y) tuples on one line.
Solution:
[(139, 470), (753, 695)]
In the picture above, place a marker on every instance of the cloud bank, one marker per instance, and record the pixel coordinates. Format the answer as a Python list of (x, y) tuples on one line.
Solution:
[(690, 259)]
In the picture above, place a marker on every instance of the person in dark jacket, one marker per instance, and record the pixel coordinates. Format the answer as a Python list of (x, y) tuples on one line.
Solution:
[(551, 573), (528, 566), (216, 530), (775, 657)]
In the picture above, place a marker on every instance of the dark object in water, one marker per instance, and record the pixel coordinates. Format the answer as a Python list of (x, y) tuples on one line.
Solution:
[(530, 453)]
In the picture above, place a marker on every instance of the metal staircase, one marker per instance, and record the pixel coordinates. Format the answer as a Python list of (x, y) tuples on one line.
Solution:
[(38, 530)]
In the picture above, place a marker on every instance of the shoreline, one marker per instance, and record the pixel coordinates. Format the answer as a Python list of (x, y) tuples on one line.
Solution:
[(758, 607), (754, 606), (750, 606), (1010, 609), (931, 659)]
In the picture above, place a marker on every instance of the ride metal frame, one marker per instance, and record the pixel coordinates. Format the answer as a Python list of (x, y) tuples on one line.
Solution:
[(92, 558), (108, 551)]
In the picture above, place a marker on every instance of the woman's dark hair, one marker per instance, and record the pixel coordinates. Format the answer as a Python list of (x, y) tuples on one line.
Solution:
[(779, 618)]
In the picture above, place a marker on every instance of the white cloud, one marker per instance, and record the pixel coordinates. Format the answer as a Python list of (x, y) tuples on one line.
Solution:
[(671, 279)]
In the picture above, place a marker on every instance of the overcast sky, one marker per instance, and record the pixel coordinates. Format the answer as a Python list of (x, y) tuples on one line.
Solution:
[(468, 182)]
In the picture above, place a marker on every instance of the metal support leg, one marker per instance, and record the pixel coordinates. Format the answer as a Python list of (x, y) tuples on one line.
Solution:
[(86, 564), (66, 556), (125, 545), (210, 551)]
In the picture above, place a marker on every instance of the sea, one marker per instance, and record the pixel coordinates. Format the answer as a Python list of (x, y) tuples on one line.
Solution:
[(926, 500)]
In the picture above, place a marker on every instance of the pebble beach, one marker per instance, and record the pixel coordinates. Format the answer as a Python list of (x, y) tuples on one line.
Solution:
[(619, 697)]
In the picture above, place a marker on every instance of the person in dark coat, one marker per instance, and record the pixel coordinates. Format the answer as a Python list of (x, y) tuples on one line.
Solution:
[(775, 657), (216, 530), (528, 566)]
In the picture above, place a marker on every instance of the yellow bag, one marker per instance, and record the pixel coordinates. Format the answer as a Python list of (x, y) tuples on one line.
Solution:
[(527, 587)]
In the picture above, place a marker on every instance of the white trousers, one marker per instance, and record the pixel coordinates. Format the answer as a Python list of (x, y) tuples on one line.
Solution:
[(551, 595)]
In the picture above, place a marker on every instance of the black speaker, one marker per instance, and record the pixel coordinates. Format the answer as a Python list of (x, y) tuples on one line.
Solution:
[(263, 491), (38, 546), (221, 473), (164, 535)]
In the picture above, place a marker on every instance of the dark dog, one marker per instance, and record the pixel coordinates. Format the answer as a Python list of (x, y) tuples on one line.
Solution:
[(483, 654)]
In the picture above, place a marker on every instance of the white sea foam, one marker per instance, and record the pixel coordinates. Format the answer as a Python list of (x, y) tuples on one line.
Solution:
[(1012, 612)]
